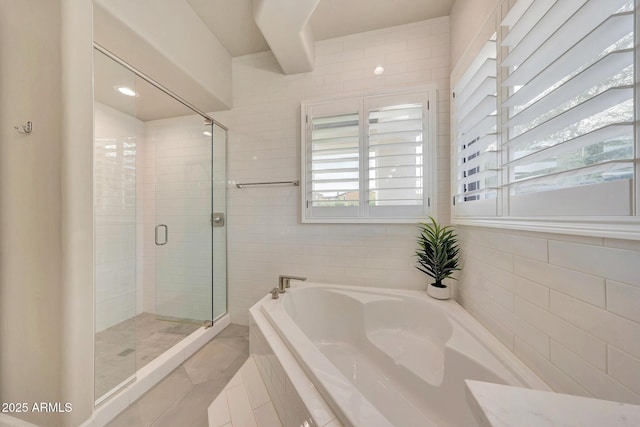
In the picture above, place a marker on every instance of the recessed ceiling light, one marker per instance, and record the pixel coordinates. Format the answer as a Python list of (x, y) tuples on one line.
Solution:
[(126, 91), (378, 70)]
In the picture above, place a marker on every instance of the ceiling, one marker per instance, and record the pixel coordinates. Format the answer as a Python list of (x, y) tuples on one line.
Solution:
[(336, 18), (232, 20), (150, 103), (233, 24)]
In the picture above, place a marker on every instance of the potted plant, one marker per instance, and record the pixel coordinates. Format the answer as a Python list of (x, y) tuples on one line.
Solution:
[(437, 256)]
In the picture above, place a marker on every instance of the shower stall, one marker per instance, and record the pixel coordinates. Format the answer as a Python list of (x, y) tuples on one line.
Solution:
[(160, 234)]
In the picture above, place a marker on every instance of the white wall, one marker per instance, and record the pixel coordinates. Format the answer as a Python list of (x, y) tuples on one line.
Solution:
[(467, 20), (568, 306), (46, 228), (30, 206), (77, 291), (266, 237)]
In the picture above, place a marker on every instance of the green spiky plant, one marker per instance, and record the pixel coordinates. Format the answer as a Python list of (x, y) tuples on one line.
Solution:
[(438, 251)]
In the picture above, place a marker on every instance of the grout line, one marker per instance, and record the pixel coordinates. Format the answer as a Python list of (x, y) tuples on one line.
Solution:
[(548, 251), (264, 404), (236, 386), (226, 400)]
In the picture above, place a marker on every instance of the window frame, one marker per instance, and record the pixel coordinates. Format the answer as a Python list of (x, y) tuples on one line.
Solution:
[(429, 160), (614, 226)]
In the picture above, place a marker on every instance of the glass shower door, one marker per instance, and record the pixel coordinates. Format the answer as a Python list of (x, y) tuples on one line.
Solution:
[(184, 201), (219, 229), (118, 135)]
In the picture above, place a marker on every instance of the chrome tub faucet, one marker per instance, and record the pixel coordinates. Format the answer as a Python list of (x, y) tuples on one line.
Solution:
[(284, 282)]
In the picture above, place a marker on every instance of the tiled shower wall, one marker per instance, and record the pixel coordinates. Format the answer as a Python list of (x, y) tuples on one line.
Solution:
[(142, 168), (178, 193), (118, 137), (147, 203), (568, 306), (266, 237)]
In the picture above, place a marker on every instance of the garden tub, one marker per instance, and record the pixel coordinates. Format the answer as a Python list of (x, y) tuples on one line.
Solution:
[(384, 357)]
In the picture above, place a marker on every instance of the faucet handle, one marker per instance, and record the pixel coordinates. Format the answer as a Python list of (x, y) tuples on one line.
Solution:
[(275, 293)]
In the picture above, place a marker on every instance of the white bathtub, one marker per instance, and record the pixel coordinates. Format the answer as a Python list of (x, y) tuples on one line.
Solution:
[(391, 358)]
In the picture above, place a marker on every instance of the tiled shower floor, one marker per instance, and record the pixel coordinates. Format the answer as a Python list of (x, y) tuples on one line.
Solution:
[(128, 346)]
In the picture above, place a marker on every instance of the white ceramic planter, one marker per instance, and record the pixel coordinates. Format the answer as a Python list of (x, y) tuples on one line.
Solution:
[(438, 293)]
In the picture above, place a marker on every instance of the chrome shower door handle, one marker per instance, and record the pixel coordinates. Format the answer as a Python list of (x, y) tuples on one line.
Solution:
[(166, 234)]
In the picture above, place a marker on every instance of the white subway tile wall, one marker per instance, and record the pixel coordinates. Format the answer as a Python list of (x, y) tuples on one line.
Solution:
[(117, 137), (147, 202), (266, 238), (182, 200), (141, 168), (567, 306)]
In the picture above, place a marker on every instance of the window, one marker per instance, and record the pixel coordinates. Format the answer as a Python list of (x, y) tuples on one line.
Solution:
[(563, 149), (476, 154), (368, 159), (570, 108)]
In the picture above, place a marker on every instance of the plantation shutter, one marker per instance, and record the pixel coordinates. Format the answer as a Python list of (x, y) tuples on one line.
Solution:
[(476, 157), (570, 107), (396, 127), (369, 158), (334, 153)]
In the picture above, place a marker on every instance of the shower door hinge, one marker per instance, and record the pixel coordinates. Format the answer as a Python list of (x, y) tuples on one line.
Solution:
[(428, 105), (429, 202)]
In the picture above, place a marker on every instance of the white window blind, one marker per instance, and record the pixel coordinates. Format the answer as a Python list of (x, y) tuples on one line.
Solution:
[(395, 152), (476, 155), (367, 159), (570, 107), (334, 158)]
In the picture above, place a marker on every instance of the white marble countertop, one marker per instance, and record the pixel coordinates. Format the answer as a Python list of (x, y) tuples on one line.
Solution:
[(496, 405)]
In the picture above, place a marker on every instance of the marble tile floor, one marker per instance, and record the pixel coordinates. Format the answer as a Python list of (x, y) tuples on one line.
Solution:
[(128, 346), (183, 397), (244, 402)]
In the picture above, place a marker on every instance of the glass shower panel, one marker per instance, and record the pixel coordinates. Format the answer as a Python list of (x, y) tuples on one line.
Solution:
[(117, 134), (183, 240), (160, 226), (219, 229)]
